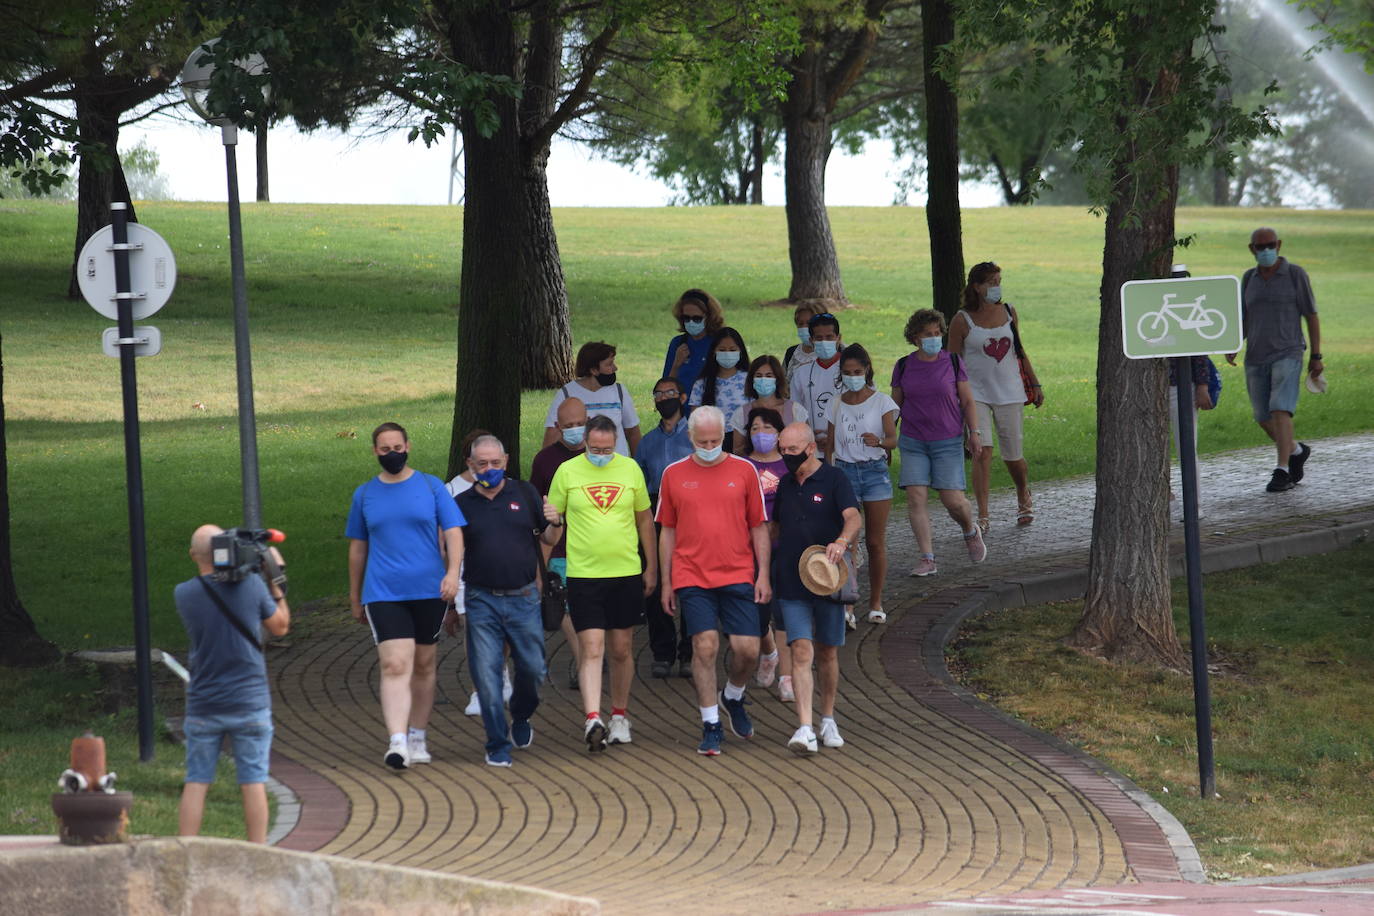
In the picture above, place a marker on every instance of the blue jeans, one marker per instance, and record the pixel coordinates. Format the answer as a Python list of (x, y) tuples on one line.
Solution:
[(492, 621), (1273, 387)]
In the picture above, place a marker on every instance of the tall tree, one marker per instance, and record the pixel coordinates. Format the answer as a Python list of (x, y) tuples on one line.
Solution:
[(943, 221)]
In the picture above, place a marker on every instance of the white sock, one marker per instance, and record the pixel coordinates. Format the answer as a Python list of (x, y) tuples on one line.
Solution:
[(710, 715), (416, 734), (732, 692), (809, 729), (772, 656), (825, 719), (1282, 467), (970, 533), (398, 738)]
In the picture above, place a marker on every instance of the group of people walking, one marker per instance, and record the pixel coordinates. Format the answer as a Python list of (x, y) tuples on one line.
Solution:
[(732, 521)]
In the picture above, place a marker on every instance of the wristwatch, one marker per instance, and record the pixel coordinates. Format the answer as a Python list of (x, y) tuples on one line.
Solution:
[(1315, 357)]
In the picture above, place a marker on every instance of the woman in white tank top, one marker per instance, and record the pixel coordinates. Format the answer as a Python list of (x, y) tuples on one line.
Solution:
[(985, 335)]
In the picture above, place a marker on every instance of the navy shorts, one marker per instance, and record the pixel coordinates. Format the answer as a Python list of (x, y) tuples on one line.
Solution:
[(728, 609)]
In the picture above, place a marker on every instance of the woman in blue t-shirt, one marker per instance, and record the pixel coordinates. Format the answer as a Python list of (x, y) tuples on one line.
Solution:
[(699, 317), (405, 551)]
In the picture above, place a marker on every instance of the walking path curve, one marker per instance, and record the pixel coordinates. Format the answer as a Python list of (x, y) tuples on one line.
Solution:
[(934, 797)]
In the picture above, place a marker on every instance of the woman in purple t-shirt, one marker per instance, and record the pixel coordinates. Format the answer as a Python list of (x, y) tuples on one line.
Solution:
[(764, 425), (937, 406)]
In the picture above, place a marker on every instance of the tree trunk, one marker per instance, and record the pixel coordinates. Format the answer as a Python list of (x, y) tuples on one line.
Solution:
[(942, 161), (756, 162), (100, 178), (1128, 612), (546, 345), (810, 246), (260, 145), (20, 644)]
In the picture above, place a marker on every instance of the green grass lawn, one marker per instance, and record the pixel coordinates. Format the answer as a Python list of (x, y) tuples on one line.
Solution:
[(353, 323), (1292, 710)]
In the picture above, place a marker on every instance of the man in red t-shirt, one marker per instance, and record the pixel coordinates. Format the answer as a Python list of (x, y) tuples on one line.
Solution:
[(713, 558)]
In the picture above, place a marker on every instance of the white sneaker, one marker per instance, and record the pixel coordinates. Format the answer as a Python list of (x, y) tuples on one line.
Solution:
[(419, 750), (619, 732), (850, 621), (397, 755), (785, 691), (474, 707), (803, 741), (830, 734), (768, 669)]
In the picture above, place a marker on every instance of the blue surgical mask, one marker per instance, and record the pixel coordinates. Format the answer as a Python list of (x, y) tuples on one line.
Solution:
[(695, 328), (573, 436), (709, 454), (765, 386), (994, 294), (826, 349), (727, 359), (854, 382), (932, 345), (1267, 257), (600, 460), (804, 335), (490, 478)]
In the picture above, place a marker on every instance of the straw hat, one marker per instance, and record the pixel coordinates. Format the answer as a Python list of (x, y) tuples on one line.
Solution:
[(818, 574), (1315, 383)]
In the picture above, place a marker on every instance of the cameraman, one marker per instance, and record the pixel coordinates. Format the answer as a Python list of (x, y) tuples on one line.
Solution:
[(228, 693)]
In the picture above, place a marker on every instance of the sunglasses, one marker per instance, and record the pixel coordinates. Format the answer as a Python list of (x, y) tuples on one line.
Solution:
[(1263, 245)]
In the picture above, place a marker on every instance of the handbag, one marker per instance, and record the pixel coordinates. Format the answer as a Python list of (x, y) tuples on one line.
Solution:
[(1021, 362), (553, 600)]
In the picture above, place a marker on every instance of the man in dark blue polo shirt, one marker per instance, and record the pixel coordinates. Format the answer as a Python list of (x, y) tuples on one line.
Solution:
[(500, 571), (815, 505)]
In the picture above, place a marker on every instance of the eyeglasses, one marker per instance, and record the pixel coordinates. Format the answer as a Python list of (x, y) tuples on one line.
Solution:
[(665, 394), (1263, 245), (687, 317)]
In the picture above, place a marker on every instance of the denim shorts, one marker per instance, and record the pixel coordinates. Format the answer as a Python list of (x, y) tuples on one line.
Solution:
[(728, 609), (817, 619), (869, 479), (1274, 386), (252, 736), (938, 464)]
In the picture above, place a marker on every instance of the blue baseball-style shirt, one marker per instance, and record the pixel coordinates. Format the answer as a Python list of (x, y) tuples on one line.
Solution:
[(658, 449), (401, 524)]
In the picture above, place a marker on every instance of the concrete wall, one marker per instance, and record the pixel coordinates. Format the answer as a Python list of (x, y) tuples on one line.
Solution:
[(208, 877)]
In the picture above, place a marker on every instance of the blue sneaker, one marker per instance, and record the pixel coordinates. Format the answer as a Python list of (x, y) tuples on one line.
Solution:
[(739, 719), (498, 759), (522, 733), (711, 735)]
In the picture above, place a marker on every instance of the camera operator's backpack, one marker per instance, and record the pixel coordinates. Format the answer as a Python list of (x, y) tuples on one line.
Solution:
[(1213, 382)]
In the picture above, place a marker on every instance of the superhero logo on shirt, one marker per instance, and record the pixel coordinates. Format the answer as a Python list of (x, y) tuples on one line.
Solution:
[(604, 495)]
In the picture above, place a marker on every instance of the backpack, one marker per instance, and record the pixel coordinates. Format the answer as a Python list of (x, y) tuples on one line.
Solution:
[(1213, 382)]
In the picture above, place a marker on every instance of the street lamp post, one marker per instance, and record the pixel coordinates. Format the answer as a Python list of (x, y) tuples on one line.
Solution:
[(195, 85)]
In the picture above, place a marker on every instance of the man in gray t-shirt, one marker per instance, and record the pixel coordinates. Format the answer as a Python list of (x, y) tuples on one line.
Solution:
[(1276, 298)]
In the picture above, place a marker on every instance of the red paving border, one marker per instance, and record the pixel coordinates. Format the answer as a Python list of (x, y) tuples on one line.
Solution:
[(324, 806)]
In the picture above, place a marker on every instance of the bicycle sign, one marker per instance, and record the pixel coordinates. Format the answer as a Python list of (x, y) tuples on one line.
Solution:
[(1189, 316)]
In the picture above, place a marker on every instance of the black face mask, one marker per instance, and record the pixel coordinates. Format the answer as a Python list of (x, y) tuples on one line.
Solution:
[(668, 407), (794, 462), (605, 379), (393, 462)]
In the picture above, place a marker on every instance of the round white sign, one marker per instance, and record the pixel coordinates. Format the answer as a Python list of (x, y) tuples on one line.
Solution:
[(152, 272)]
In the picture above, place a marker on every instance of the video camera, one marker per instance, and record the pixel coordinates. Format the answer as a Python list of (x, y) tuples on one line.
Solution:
[(241, 552)]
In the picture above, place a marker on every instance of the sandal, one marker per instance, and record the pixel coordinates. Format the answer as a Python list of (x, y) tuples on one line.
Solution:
[(877, 615), (1025, 513), (984, 523)]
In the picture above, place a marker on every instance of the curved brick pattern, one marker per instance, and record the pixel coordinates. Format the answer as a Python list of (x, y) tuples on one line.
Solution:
[(932, 798)]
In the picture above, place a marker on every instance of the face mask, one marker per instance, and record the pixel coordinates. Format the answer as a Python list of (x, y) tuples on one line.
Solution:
[(491, 477), (994, 294), (764, 442), (709, 454), (1267, 257), (804, 335), (931, 345), (727, 359), (854, 382), (668, 407), (826, 349), (794, 462), (765, 386), (694, 328), (573, 436), (392, 462), (600, 460), (605, 379)]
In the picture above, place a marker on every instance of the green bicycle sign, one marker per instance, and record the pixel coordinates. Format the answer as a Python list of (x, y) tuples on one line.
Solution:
[(1189, 316)]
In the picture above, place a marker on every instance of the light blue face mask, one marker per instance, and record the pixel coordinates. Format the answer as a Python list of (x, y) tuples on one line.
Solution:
[(994, 294), (765, 386), (695, 328), (1267, 257), (573, 436), (727, 359), (854, 382), (804, 335), (600, 460), (932, 345), (709, 454), (826, 349)]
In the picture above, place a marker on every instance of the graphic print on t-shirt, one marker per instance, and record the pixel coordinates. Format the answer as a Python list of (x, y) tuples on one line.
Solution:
[(998, 348), (603, 495)]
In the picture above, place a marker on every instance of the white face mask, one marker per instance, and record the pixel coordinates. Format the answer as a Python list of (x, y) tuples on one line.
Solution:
[(854, 382), (994, 294)]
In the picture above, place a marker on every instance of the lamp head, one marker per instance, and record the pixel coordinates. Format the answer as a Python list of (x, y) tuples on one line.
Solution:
[(198, 72)]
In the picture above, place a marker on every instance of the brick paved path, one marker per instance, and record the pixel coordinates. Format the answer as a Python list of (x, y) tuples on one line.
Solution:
[(927, 801)]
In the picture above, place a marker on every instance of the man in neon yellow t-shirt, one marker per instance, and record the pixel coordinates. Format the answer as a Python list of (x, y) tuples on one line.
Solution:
[(605, 503)]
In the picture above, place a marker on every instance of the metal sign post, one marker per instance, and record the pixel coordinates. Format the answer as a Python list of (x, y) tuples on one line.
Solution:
[(1180, 319)]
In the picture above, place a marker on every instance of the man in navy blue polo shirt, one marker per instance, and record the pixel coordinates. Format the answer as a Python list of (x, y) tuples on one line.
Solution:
[(815, 505), (500, 571)]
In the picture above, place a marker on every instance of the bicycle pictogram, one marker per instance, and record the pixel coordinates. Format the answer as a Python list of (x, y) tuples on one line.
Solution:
[(1153, 327)]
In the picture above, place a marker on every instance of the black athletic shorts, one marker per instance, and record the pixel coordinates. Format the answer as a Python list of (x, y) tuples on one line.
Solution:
[(606, 604), (419, 620)]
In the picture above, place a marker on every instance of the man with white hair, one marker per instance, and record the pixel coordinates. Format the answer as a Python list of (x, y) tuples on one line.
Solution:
[(1276, 298), (713, 560)]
